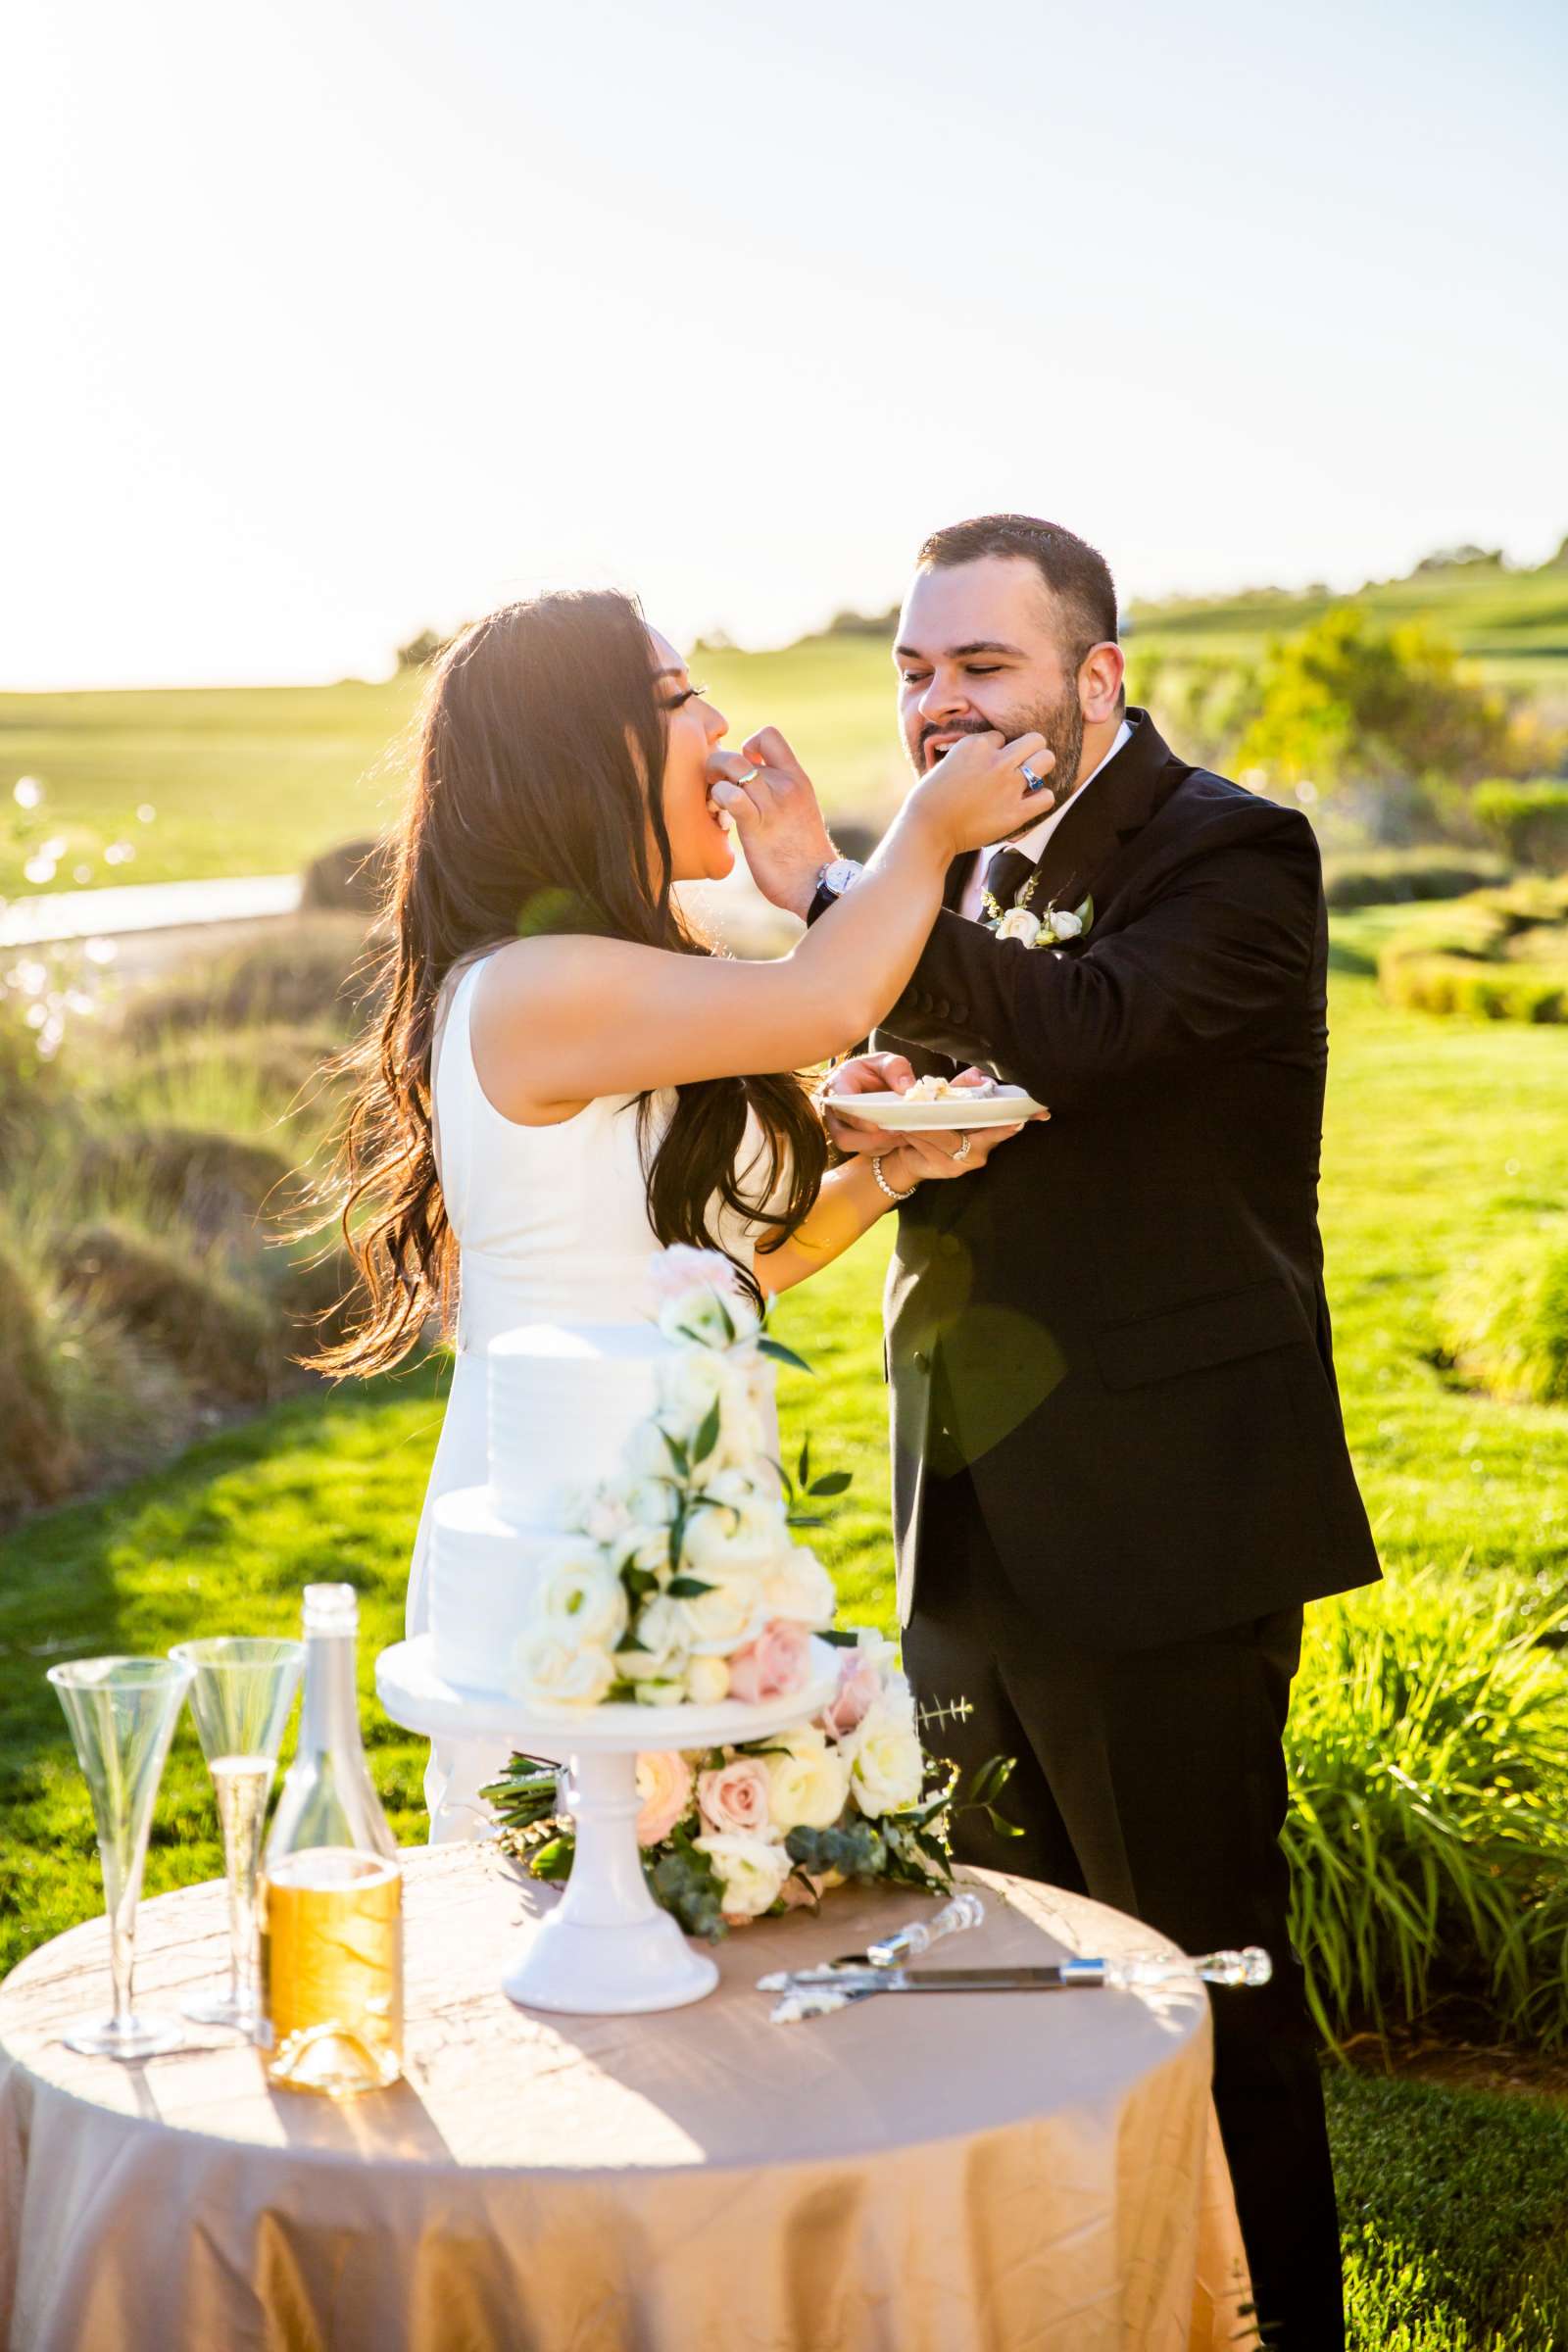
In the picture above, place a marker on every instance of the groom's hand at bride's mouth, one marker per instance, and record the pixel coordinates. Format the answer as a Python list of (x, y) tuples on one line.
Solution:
[(773, 805)]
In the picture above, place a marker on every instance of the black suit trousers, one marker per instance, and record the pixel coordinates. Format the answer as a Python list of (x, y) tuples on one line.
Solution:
[(1154, 1781)]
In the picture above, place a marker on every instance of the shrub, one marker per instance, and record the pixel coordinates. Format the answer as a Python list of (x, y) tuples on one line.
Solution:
[(1386, 877), (1428, 1832), (1498, 955), (1503, 1320), (352, 877), (1528, 822), (309, 971)]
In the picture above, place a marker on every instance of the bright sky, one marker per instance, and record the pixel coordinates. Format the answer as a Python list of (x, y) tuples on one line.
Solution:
[(331, 318)]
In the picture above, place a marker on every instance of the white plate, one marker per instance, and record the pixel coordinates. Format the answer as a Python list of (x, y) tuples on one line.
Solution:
[(1004, 1108)]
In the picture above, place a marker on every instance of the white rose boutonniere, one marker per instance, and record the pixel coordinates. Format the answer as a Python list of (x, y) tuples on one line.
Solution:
[(1052, 927)]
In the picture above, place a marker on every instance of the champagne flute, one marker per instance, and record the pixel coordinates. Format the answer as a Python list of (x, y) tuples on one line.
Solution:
[(240, 1695), (122, 1713)]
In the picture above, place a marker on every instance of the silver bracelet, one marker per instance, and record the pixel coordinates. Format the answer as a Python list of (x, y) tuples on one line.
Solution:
[(892, 1192)]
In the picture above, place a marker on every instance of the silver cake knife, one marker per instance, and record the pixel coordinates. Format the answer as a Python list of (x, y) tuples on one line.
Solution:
[(819, 1991)]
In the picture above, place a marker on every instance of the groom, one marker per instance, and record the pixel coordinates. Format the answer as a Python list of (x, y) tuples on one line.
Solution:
[(1119, 1467)]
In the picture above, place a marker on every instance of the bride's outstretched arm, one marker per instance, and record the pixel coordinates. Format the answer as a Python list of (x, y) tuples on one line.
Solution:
[(558, 1021)]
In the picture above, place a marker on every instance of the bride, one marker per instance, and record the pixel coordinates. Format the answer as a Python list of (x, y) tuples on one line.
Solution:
[(564, 1076)]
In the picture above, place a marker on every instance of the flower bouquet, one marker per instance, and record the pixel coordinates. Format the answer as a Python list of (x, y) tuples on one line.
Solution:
[(730, 1833)]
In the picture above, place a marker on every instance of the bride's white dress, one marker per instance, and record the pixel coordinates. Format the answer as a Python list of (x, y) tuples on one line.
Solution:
[(552, 1227)]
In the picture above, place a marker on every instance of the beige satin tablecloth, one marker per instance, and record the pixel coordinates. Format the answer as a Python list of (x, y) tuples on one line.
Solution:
[(1025, 2172)]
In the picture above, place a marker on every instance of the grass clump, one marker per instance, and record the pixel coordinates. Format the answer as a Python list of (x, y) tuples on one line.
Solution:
[(1502, 1322), (298, 972), (150, 1164), (190, 1313), (1428, 1833), (1496, 955), (38, 1454)]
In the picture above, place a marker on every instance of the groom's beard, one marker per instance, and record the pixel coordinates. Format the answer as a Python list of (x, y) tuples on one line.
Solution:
[(1061, 724)]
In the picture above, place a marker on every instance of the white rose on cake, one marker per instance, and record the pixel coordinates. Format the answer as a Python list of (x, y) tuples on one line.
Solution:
[(751, 1874), (552, 1668), (886, 1765), (807, 1783), (581, 1597), (800, 1587), (728, 1615), (690, 1384), (724, 1537), (664, 1644)]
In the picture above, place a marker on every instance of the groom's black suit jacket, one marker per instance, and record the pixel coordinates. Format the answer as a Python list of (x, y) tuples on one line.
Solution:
[(1120, 1323)]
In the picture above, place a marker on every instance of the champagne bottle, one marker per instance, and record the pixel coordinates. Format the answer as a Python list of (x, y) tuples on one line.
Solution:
[(331, 1896)]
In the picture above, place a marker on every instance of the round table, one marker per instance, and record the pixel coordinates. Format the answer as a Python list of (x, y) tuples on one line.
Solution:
[(983, 2172)]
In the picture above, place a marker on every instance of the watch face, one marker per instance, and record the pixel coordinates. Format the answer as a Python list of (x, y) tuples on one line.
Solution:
[(840, 874)]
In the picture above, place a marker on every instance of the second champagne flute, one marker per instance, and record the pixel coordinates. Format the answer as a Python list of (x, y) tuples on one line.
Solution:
[(241, 1690)]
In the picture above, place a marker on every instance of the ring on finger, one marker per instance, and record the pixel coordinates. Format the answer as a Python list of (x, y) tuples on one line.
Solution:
[(966, 1146)]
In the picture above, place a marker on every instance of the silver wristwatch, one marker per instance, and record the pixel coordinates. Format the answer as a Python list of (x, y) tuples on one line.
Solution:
[(839, 876)]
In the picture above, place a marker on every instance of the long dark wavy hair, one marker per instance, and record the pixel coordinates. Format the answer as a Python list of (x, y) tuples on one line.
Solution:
[(529, 812)]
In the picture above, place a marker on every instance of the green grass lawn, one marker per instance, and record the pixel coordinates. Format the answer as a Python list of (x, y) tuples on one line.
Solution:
[(1441, 1136), (254, 780)]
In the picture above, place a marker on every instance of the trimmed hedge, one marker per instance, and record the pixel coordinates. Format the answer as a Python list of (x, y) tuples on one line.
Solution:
[(1528, 822), (1390, 877), (1498, 956)]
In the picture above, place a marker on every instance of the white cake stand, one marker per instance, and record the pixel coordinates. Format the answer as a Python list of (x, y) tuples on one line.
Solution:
[(607, 1949)]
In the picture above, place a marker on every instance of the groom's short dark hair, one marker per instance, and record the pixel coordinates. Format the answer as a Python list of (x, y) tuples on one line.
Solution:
[(1076, 574)]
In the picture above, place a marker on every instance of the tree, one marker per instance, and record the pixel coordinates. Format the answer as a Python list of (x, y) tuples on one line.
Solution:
[(1344, 700), (420, 649)]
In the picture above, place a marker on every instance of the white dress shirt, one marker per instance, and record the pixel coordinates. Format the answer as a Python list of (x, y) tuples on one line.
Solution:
[(1034, 840)]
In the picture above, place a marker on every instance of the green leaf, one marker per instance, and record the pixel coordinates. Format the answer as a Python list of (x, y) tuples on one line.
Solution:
[(554, 1861), (707, 1437), (833, 1482), (805, 1471), (687, 1588), (767, 1345), (677, 1453)]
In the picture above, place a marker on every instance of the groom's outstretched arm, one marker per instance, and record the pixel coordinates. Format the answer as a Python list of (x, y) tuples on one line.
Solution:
[(1225, 944)]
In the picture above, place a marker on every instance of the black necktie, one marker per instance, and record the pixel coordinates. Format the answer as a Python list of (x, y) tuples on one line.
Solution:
[(1006, 874)]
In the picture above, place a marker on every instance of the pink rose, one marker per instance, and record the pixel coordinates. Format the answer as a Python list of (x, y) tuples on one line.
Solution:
[(733, 1798), (673, 1273), (859, 1684), (776, 1663), (664, 1786)]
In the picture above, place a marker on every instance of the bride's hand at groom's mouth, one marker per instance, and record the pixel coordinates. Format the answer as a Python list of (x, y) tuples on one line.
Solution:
[(773, 802)]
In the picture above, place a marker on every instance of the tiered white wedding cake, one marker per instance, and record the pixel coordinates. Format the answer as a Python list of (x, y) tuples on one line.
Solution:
[(563, 1400), (632, 1540)]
